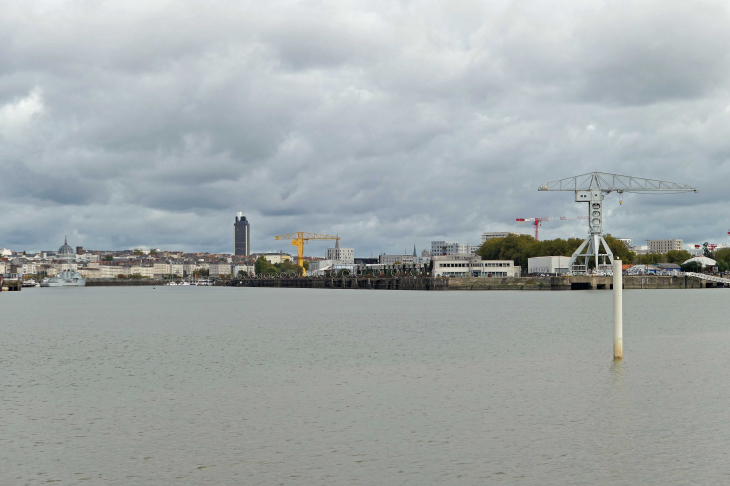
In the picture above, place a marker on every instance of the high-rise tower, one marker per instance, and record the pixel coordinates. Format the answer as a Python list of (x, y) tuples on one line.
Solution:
[(242, 235)]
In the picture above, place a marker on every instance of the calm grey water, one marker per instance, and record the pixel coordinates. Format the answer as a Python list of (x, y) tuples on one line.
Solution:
[(185, 385)]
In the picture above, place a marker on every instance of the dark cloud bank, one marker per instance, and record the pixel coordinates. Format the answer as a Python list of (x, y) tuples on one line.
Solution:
[(390, 123)]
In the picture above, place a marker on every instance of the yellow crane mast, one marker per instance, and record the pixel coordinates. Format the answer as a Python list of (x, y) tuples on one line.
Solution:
[(298, 239)]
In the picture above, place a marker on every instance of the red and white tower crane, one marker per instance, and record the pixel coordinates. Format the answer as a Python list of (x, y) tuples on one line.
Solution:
[(537, 222), (711, 246)]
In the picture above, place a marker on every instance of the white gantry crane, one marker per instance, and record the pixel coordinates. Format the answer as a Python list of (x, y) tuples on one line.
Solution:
[(591, 188)]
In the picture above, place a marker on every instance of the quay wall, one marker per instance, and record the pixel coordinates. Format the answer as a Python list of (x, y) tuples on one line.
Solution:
[(369, 283), (11, 285), (124, 282), (579, 282), (500, 283)]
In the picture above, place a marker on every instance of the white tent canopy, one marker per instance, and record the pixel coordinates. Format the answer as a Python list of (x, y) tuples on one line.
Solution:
[(702, 260)]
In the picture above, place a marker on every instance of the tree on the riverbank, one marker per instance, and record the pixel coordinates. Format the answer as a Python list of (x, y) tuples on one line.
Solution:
[(678, 256), (722, 257), (723, 254), (691, 267), (262, 266), (651, 259), (289, 267)]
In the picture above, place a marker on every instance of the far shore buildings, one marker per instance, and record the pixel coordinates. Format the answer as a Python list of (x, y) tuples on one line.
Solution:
[(451, 248), (663, 246), (342, 255)]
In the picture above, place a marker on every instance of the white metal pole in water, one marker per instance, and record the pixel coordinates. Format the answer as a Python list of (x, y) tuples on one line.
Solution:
[(618, 311)]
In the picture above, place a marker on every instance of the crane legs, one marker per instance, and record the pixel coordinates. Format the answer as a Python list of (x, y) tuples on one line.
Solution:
[(592, 244)]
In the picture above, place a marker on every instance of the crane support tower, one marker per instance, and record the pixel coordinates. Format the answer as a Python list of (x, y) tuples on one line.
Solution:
[(537, 222), (299, 239), (591, 188)]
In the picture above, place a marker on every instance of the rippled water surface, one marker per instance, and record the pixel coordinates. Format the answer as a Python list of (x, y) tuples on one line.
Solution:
[(203, 385)]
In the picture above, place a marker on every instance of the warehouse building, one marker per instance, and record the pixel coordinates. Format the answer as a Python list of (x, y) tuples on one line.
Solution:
[(556, 265)]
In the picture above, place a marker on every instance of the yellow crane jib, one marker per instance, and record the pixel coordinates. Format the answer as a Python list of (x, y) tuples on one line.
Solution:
[(298, 239)]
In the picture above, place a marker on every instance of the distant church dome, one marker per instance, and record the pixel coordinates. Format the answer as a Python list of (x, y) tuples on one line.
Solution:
[(65, 249)]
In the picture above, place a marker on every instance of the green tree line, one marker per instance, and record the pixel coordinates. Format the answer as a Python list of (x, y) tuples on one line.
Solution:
[(262, 266), (519, 248), (672, 256), (722, 257)]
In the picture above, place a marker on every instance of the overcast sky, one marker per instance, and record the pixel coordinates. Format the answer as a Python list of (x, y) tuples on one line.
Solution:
[(145, 123)]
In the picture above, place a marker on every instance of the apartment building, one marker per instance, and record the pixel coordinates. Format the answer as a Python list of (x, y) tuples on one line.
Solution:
[(663, 246)]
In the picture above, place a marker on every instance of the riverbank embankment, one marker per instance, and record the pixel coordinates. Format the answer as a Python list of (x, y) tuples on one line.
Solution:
[(582, 282), (577, 282), (124, 282), (360, 282), (10, 284)]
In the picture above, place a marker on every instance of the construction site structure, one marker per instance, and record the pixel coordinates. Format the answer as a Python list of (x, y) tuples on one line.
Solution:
[(712, 246), (537, 222), (591, 188), (298, 239)]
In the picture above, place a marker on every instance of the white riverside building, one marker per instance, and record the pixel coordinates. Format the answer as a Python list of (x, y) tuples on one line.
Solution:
[(548, 264), (451, 248), (663, 246), (497, 234), (318, 268), (247, 269), (395, 259), (342, 255), (472, 266)]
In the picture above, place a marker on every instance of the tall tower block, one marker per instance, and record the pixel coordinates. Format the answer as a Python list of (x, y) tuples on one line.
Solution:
[(242, 236)]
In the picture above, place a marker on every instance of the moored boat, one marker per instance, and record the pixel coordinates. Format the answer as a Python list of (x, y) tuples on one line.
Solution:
[(67, 278)]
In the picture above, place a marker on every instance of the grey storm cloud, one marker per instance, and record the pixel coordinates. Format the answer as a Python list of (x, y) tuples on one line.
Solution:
[(391, 123)]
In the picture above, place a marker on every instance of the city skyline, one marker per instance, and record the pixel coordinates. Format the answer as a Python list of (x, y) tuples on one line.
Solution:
[(391, 126)]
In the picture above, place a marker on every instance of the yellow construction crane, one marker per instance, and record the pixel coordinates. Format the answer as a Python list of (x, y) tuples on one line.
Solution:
[(298, 239)]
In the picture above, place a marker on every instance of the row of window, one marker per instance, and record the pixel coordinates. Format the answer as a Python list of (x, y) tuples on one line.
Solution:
[(466, 265), (479, 274)]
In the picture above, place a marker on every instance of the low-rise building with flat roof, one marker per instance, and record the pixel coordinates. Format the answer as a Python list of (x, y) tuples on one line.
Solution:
[(557, 265), (472, 266)]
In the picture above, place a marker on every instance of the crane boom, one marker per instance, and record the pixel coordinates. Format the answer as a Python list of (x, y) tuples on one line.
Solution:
[(553, 218), (298, 239), (538, 221), (607, 183), (591, 188)]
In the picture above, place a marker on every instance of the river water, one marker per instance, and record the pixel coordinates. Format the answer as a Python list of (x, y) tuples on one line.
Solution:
[(188, 385)]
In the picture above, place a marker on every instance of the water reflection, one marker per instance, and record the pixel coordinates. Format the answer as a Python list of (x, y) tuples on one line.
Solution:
[(617, 370)]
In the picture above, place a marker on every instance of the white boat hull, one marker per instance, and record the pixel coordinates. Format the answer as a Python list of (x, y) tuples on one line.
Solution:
[(78, 283), (67, 278)]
